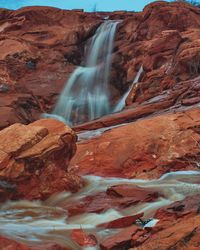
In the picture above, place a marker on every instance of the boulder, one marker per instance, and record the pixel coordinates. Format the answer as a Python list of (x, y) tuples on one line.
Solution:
[(144, 149), (181, 234), (34, 160), (123, 222), (121, 240)]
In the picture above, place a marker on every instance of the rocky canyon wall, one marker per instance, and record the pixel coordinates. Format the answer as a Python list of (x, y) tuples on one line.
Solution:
[(41, 46), (157, 133)]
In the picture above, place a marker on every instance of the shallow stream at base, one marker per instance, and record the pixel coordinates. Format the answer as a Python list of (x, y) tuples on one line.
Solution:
[(33, 222)]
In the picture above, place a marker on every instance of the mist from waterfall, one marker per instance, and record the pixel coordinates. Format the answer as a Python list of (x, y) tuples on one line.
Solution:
[(86, 95)]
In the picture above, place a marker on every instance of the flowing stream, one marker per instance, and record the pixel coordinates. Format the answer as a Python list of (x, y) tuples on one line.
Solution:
[(37, 221)]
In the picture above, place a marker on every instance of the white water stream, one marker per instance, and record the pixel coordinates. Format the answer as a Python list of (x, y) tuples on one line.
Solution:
[(37, 221), (86, 95), (122, 102)]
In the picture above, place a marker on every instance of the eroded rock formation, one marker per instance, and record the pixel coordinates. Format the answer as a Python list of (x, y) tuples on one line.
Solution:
[(41, 46), (34, 160), (144, 149), (157, 132)]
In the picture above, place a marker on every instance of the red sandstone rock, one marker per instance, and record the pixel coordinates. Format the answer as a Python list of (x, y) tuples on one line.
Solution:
[(31, 155), (7, 244), (181, 234), (143, 149), (140, 237), (178, 227), (116, 197), (188, 207), (184, 94), (83, 239), (10, 244), (120, 240), (41, 46), (122, 222), (168, 53), (130, 191)]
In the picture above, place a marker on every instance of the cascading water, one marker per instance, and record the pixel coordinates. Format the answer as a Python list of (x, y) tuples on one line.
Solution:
[(38, 222), (121, 104), (86, 94)]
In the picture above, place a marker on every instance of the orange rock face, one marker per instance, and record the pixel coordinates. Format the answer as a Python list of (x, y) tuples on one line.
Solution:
[(157, 132), (13, 245), (31, 155), (168, 53), (181, 234), (143, 149), (41, 46)]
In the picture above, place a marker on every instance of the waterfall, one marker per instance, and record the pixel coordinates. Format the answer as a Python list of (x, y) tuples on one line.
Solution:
[(86, 94), (122, 102)]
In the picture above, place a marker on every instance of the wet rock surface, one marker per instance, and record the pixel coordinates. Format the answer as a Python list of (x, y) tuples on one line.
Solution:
[(41, 46), (180, 234), (158, 131), (115, 197), (144, 149), (13, 245), (30, 155)]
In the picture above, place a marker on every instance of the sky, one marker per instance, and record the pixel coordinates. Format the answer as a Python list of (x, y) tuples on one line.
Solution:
[(87, 5)]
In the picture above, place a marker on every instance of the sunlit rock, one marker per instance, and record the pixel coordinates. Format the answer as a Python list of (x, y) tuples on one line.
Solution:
[(34, 160)]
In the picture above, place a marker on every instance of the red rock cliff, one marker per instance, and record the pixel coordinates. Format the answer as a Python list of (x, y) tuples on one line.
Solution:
[(41, 46)]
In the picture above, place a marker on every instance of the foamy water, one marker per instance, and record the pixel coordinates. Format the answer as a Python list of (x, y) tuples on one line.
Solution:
[(36, 222)]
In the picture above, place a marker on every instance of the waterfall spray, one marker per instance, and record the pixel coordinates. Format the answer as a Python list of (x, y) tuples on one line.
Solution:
[(86, 94)]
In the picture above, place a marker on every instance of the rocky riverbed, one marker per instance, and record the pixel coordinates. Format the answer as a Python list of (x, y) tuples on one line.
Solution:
[(128, 180)]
